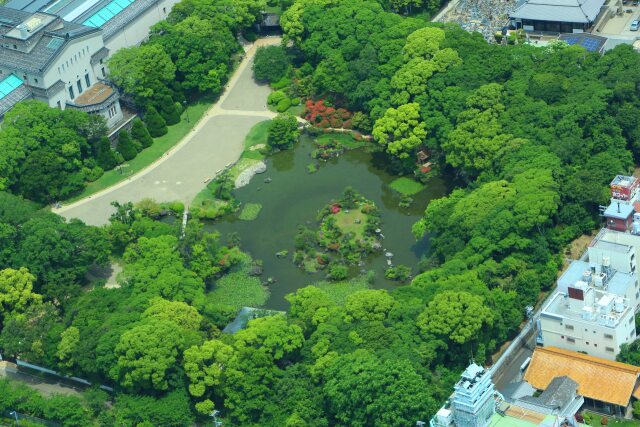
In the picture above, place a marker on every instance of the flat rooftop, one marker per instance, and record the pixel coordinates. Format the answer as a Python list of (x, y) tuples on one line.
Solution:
[(95, 94), (619, 210), (558, 306)]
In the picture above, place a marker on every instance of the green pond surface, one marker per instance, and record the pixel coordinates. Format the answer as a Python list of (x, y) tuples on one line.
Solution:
[(295, 196)]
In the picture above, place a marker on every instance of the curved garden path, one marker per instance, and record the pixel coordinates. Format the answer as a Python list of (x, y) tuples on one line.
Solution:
[(216, 141)]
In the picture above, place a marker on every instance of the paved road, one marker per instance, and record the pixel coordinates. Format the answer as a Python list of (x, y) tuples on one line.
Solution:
[(216, 141)]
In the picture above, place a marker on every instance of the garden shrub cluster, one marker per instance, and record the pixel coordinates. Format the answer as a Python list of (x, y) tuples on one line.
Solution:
[(323, 115)]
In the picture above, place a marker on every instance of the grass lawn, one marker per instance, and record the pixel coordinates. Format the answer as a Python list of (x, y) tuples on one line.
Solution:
[(406, 186), (346, 222), (257, 135), (149, 155), (344, 139), (595, 421), (250, 211)]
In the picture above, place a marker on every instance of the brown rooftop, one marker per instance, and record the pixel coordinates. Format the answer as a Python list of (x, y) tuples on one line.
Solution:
[(597, 378), (95, 94)]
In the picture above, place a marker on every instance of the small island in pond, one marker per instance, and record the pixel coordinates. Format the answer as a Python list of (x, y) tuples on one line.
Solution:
[(349, 230)]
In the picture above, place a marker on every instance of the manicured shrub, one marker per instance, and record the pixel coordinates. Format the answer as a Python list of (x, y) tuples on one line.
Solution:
[(105, 156), (283, 105), (126, 146), (338, 272), (140, 133), (325, 115), (295, 101), (168, 111), (275, 97), (155, 123)]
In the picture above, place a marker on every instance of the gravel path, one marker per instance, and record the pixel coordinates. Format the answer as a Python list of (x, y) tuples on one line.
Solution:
[(216, 141)]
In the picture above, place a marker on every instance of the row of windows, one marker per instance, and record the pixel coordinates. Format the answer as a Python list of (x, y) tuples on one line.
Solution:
[(573, 340), (87, 80), (80, 54), (607, 336)]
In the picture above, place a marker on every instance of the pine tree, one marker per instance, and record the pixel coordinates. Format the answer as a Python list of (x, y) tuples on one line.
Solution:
[(140, 133), (126, 146), (168, 110), (155, 123), (105, 156)]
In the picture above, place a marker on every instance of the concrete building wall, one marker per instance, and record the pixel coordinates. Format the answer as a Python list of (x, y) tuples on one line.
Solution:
[(72, 65), (619, 260), (136, 31), (589, 337)]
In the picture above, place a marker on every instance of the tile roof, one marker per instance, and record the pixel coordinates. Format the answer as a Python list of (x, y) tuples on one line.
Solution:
[(597, 379), (581, 11), (50, 44)]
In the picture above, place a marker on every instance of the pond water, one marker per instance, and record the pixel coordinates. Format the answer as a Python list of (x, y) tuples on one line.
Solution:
[(294, 196)]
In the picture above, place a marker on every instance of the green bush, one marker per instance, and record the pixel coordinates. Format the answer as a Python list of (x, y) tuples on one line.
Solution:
[(399, 273), (105, 156), (91, 174), (140, 133), (338, 272), (295, 101), (271, 63), (281, 84), (283, 105), (126, 146), (275, 97), (155, 123)]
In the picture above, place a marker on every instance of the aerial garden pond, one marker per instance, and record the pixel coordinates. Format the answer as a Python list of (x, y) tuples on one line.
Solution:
[(298, 194)]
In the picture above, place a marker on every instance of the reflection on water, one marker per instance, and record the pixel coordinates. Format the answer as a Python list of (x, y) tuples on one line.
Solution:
[(294, 197)]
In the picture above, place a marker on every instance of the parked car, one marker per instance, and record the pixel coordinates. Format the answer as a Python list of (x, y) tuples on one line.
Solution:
[(635, 3), (634, 25)]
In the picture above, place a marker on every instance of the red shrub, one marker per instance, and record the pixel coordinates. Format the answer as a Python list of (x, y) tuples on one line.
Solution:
[(347, 124), (324, 123)]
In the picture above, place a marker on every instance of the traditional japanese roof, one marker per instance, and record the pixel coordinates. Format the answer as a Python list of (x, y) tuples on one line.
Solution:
[(580, 11), (53, 38), (597, 379)]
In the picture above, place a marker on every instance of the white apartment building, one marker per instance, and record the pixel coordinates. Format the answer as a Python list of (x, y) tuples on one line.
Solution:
[(55, 61), (588, 319)]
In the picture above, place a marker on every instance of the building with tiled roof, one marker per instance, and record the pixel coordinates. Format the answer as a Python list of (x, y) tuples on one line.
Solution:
[(124, 23), (55, 61), (606, 386), (556, 16)]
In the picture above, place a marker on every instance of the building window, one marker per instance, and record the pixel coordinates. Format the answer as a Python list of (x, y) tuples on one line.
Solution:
[(571, 340), (631, 320), (570, 327), (15, 47), (59, 106), (71, 95), (79, 83), (595, 344), (86, 80), (609, 349), (608, 336), (164, 10), (103, 73), (35, 80), (587, 342), (112, 112)]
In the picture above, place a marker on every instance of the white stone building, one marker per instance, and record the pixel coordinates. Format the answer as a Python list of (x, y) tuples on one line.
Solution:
[(124, 23), (55, 61), (588, 319)]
